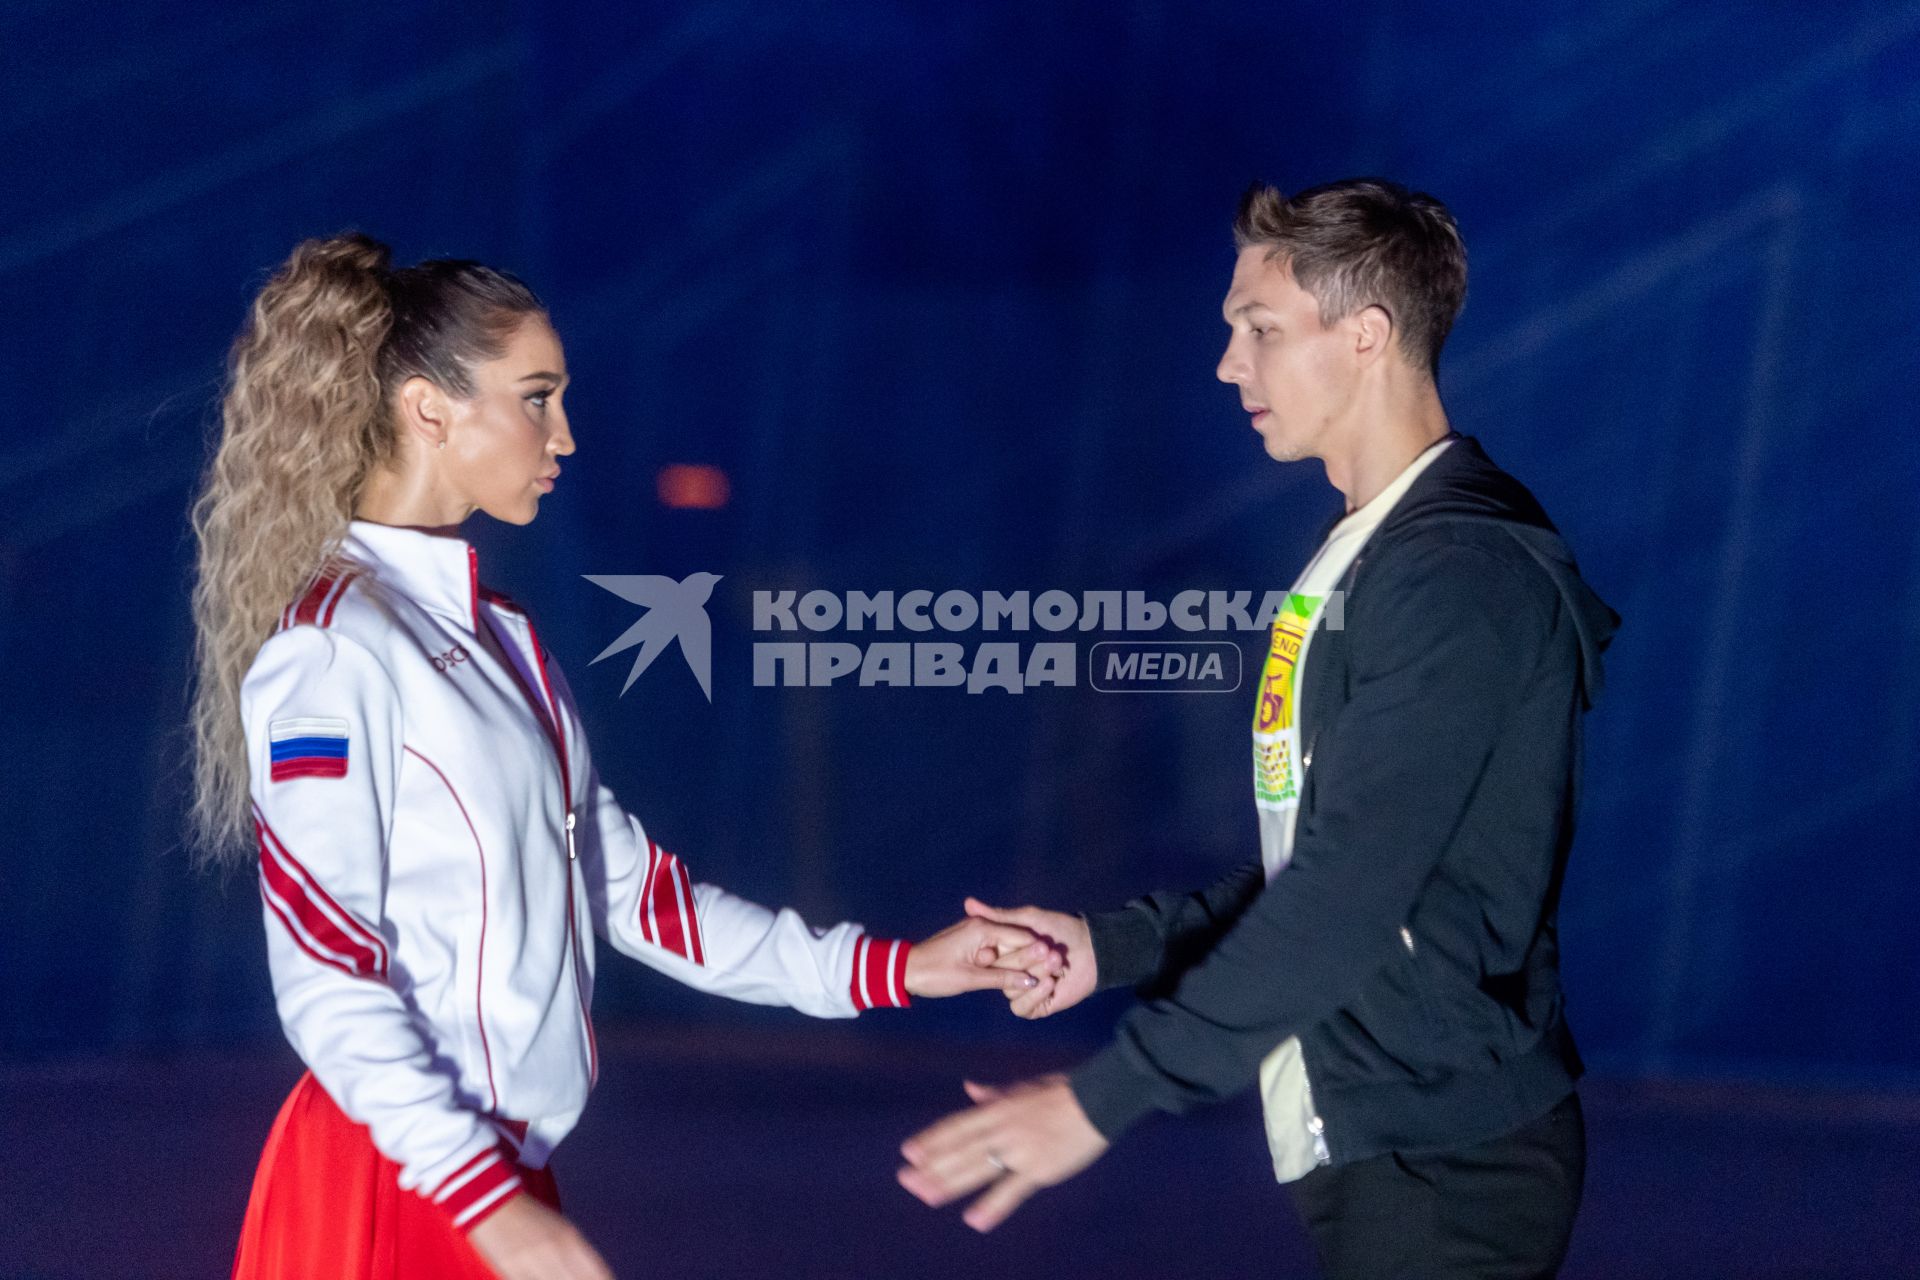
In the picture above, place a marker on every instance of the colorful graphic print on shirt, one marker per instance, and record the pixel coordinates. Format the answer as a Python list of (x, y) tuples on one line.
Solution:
[(1275, 734)]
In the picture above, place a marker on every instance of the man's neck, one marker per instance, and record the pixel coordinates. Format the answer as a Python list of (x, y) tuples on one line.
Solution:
[(1378, 447)]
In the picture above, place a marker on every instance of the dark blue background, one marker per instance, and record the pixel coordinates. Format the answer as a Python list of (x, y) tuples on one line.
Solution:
[(938, 287)]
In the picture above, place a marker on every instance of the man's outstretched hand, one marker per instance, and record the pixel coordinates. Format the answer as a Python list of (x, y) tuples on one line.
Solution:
[(1069, 937), (982, 955), (1013, 1142)]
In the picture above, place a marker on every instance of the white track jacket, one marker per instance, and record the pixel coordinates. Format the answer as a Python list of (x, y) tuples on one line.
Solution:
[(435, 845)]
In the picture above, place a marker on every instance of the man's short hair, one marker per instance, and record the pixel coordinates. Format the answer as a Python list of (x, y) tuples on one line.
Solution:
[(1365, 242)]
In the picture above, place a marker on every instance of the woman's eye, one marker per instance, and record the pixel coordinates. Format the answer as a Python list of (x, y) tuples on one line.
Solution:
[(539, 399)]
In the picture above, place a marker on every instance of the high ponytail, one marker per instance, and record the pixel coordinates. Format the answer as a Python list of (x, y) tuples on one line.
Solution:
[(301, 427), (306, 419)]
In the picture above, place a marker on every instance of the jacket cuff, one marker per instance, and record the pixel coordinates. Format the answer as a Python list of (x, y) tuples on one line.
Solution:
[(1112, 1091), (1127, 949), (479, 1187), (879, 974)]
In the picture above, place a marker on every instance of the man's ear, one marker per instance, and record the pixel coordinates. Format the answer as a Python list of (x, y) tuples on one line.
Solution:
[(1372, 333), (425, 411)]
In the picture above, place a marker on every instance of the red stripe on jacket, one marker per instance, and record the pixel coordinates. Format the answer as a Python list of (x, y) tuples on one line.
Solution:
[(480, 953), (692, 917), (471, 1193), (663, 906), (880, 974), (668, 916), (297, 899), (317, 603)]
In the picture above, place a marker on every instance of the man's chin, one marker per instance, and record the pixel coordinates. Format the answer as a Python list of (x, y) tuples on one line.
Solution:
[(1281, 450)]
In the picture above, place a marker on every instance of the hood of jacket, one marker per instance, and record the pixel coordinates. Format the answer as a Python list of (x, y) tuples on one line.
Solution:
[(1464, 485)]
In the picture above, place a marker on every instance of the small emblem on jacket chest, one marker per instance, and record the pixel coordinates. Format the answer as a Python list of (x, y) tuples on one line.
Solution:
[(444, 662)]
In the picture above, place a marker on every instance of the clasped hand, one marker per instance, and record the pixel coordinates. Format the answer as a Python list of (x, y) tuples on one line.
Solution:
[(985, 955), (1067, 935)]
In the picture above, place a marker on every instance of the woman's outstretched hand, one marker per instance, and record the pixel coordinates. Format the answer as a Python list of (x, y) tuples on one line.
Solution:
[(982, 955), (525, 1240)]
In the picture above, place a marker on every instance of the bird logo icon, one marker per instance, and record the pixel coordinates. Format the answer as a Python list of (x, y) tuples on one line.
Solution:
[(674, 611)]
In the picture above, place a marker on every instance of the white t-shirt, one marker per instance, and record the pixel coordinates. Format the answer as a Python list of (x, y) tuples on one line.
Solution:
[(1294, 1130)]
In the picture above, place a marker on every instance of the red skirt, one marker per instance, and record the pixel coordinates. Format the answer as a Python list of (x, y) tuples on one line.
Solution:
[(326, 1205)]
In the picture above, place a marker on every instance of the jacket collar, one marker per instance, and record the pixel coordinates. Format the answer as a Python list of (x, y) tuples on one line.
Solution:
[(1465, 482), (438, 572)]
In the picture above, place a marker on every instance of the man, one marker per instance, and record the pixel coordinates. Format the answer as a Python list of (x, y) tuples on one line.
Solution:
[(1388, 969)]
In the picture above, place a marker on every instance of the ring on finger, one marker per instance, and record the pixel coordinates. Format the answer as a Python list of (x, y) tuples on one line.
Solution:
[(999, 1165)]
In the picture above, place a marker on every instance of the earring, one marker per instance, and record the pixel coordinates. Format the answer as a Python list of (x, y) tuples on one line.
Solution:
[(440, 445)]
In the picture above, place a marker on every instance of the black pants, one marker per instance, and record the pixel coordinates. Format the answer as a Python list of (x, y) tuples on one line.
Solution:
[(1501, 1210)]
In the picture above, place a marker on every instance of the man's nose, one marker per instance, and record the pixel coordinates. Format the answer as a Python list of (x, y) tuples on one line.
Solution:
[(1231, 369)]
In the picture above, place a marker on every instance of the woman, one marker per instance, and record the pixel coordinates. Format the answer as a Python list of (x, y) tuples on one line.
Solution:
[(391, 740)]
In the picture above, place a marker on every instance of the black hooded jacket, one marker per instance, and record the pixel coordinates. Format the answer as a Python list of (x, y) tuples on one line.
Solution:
[(1411, 942)]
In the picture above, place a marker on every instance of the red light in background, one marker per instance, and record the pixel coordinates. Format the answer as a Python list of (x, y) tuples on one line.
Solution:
[(691, 487)]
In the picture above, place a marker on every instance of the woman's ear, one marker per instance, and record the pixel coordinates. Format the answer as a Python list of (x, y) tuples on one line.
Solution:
[(425, 412)]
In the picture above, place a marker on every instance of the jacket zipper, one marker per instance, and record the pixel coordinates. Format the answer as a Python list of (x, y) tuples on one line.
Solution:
[(1346, 589), (557, 733), (1316, 1124)]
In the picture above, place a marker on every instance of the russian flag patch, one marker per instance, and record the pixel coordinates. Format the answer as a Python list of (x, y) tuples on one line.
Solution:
[(308, 748)]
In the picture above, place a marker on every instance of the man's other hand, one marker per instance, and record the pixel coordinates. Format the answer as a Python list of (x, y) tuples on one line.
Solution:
[(1013, 1142)]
